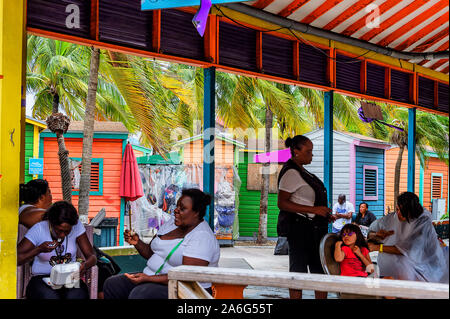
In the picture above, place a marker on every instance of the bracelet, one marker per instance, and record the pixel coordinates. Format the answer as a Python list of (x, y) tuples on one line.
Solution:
[(381, 248)]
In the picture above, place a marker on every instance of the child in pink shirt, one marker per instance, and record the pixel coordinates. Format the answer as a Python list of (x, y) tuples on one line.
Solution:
[(352, 253)]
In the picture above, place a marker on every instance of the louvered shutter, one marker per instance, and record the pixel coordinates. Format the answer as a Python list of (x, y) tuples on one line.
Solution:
[(370, 183), (436, 186), (95, 177)]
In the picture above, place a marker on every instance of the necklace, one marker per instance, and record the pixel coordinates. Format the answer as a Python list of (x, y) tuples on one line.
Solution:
[(59, 249)]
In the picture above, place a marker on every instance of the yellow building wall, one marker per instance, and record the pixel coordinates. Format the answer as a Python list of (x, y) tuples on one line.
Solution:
[(12, 52)]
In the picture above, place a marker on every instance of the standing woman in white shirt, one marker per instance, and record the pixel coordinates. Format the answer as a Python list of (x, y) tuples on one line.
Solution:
[(186, 239), (304, 214)]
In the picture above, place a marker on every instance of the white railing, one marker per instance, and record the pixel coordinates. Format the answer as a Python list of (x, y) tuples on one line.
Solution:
[(182, 283)]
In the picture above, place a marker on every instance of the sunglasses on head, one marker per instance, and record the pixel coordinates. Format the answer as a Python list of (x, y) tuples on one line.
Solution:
[(348, 234)]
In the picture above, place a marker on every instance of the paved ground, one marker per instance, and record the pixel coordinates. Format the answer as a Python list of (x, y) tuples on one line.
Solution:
[(260, 258)]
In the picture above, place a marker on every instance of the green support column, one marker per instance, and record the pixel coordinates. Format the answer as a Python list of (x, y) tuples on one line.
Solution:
[(209, 121), (411, 149), (328, 145)]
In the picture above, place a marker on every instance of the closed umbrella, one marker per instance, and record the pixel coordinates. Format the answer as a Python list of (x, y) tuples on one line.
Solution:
[(130, 179)]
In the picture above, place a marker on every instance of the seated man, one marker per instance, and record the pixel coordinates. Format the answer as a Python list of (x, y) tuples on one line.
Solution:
[(343, 212)]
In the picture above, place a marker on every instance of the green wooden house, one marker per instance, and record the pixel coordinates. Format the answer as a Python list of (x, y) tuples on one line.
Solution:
[(33, 127), (249, 200)]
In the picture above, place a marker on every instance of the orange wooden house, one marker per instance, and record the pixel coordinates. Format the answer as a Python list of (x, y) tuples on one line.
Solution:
[(226, 156), (226, 153), (109, 143), (431, 181)]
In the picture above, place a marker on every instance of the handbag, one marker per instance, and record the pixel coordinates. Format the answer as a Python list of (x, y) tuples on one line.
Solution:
[(107, 267)]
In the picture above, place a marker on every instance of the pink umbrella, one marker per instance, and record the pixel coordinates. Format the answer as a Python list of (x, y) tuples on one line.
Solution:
[(130, 179)]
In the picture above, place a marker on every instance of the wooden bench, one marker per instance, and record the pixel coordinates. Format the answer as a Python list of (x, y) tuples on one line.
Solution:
[(182, 278)]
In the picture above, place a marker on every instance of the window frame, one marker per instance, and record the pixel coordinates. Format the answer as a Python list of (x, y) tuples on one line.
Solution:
[(100, 177), (373, 168), (431, 185)]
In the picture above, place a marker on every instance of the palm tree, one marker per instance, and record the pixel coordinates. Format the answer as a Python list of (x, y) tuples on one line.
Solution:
[(88, 136), (289, 110), (58, 76), (431, 131), (55, 77), (148, 94)]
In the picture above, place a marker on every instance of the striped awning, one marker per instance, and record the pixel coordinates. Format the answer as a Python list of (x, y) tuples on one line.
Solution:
[(402, 25)]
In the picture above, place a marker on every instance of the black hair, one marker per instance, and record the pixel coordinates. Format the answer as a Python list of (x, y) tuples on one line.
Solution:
[(296, 142), (200, 200), (342, 196), (61, 212), (360, 240), (409, 205), (367, 205), (33, 190)]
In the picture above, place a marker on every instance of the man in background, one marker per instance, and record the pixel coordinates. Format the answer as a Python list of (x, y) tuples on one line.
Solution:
[(343, 212)]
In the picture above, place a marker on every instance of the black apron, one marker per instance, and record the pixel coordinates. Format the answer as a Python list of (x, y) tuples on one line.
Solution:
[(286, 220)]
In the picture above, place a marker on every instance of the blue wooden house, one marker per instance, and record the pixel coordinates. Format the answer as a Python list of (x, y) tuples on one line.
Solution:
[(358, 168)]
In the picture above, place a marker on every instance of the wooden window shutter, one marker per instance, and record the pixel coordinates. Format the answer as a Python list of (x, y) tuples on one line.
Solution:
[(436, 186), (370, 182), (95, 177)]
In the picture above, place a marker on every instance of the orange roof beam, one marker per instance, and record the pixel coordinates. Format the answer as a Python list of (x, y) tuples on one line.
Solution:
[(261, 4), (416, 4), (323, 8), (356, 26), (423, 32), (360, 5), (432, 41), (443, 47), (292, 7), (414, 22), (438, 64)]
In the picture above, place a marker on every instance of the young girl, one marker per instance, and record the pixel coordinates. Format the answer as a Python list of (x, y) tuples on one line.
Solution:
[(352, 252)]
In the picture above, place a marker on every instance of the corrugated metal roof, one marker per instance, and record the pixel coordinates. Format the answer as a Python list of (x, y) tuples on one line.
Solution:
[(404, 25)]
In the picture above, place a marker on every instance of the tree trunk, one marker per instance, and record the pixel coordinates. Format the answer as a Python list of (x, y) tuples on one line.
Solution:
[(66, 178), (58, 124), (55, 103), (262, 230), (88, 136), (398, 166)]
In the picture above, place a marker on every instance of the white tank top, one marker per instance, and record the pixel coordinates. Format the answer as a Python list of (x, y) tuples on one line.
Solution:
[(23, 207)]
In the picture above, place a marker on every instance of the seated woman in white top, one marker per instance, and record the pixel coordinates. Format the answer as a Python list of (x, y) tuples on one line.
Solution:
[(411, 249), (186, 239), (54, 241)]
